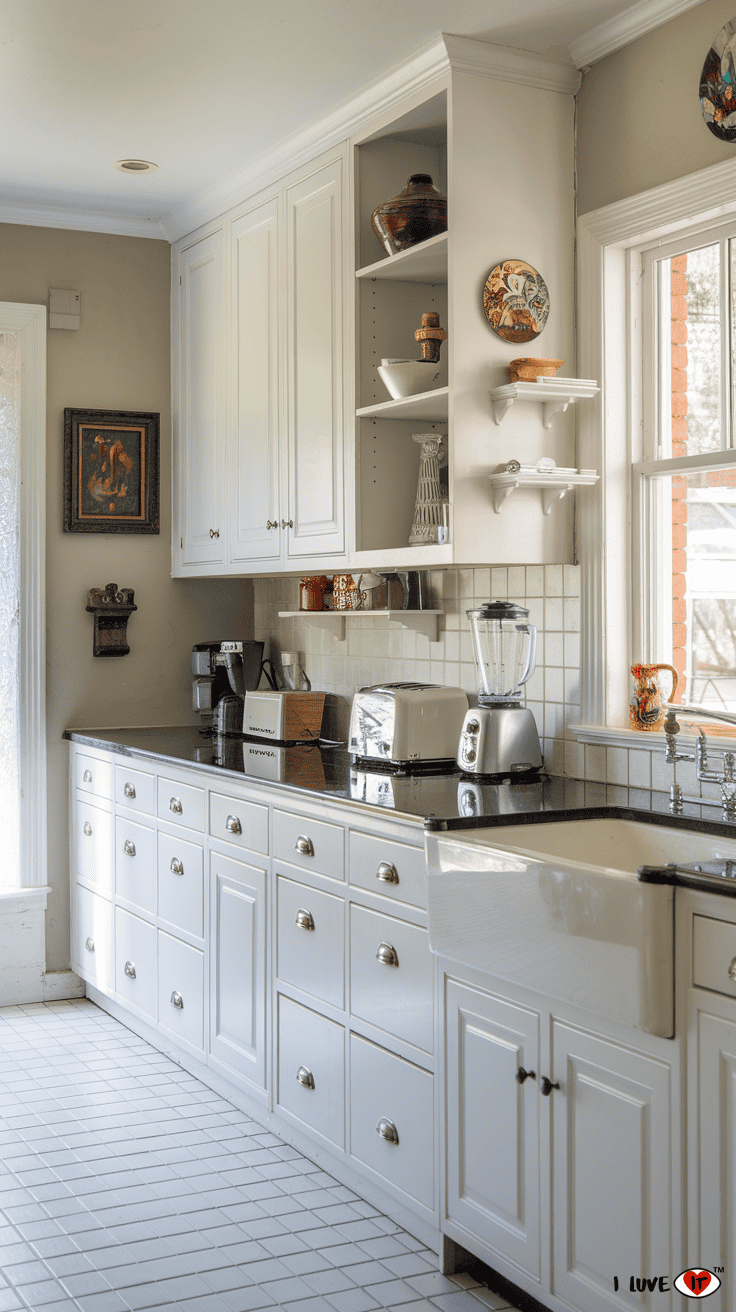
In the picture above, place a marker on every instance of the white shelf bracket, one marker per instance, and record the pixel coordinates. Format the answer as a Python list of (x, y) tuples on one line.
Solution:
[(501, 408), (552, 494), (501, 493), (556, 407)]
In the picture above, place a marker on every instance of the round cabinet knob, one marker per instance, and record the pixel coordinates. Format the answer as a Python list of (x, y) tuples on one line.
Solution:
[(90, 945), (287, 523), (387, 872), (176, 866), (732, 970), (177, 1000), (272, 523), (387, 955), (129, 848), (129, 790), (130, 969), (233, 825), (387, 1130), (548, 1086), (87, 828), (522, 1075), (304, 919), (175, 806), (305, 1077), (87, 777), (304, 846)]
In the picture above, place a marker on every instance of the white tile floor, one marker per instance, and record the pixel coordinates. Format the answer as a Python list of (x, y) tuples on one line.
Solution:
[(125, 1183)]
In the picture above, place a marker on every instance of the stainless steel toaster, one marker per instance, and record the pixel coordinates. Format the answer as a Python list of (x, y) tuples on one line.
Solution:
[(403, 724)]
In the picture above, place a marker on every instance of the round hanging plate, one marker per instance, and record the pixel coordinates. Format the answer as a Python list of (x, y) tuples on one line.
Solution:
[(516, 301), (718, 85)]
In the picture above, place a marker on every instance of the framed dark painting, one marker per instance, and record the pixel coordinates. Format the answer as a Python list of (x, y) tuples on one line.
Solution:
[(111, 471)]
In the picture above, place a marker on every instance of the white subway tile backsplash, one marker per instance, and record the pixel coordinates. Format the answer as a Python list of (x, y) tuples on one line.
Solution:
[(571, 580), (517, 582), (640, 769), (499, 584), (553, 580), (617, 765), (535, 580), (553, 612)]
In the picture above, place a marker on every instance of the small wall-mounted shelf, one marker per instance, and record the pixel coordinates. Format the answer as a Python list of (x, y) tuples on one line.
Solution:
[(554, 483), (431, 407), (425, 262), (421, 621), (555, 394)]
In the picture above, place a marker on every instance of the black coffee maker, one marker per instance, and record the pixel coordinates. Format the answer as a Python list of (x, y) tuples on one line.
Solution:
[(222, 674)]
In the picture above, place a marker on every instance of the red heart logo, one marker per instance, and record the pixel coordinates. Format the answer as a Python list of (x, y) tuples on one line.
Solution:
[(698, 1281)]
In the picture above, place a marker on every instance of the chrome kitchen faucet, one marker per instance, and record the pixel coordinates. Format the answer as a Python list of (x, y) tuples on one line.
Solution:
[(727, 779)]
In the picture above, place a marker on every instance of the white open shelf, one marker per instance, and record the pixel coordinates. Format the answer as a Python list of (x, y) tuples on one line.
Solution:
[(555, 394), (425, 262), (554, 483), (431, 407), (421, 621)]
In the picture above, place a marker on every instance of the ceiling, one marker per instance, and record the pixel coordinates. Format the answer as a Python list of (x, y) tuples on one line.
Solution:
[(200, 87)]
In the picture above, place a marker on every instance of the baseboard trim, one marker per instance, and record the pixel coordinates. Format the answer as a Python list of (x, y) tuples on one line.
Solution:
[(61, 984)]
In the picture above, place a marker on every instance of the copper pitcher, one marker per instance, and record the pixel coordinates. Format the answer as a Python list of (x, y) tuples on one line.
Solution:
[(648, 705)]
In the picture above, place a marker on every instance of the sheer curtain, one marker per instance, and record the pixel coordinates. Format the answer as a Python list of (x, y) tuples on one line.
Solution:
[(9, 609)]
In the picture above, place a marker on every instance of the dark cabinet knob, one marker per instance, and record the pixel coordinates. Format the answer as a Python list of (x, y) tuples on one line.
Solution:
[(548, 1086), (522, 1075)]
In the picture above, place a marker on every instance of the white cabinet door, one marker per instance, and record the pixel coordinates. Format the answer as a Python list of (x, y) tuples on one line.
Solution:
[(254, 507), (314, 212), (611, 1145), (493, 1123), (715, 1243), (238, 966), (200, 434)]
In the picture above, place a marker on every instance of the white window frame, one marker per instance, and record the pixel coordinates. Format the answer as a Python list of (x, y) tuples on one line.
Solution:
[(610, 312), (29, 322)]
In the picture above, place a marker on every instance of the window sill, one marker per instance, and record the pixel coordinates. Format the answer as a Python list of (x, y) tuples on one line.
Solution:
[(655, 742), (13, 900)]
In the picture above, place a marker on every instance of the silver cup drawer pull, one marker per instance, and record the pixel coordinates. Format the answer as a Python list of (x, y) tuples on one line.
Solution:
[(387, 1130), (177, 1000), (130, 969), (305, 1077), (87, 828), (175, 806), (732, 970), (387, 872), (87, 777), (304, 919), (129, 790), (387, 955), (304, 846), (176, 866), (129, 847), (233, 825), (90, 945)]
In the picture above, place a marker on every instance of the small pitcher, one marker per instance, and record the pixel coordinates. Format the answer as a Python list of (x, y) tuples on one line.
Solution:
[(647, 706)]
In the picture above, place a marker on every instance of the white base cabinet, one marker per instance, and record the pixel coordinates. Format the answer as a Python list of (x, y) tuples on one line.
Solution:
[(238, 967)]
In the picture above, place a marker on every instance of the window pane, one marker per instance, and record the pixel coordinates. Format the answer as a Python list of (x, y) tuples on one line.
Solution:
[(695, 307)]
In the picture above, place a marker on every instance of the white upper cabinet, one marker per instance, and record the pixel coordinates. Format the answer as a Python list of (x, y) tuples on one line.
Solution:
[(199, 541)]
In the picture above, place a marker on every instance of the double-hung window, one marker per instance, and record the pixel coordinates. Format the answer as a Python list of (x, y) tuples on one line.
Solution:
[(683, 471)]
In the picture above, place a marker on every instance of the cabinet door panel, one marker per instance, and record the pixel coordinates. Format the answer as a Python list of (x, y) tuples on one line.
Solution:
[(315, 411), (135, 962), (181, 990), (311, 1069), (716, 1239), (394, 992), (385, 1088), (238, 966), (611, 1143), (255, 487), (493, 1123), (198, 458), (93, 845), (92, 942)]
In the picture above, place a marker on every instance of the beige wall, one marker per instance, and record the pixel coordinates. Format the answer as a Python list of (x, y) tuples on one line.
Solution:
[(639, 119), (119, 359)]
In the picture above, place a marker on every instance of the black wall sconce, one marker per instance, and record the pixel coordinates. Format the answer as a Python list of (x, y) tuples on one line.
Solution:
[(112, 607)]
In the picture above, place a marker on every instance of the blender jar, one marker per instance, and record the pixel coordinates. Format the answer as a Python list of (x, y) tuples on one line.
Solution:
[(505, 647)]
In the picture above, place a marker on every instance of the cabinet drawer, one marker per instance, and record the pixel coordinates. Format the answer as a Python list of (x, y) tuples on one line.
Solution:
[(181, 883), (93, 844), (181, 989), (310, 940), (390, 1100), (135, 864), (393, 990), (714, 955), (311, 844), (92, 955), (181, 804), (314, 1049), (236, 821), (135, 962), (93, 776), (394, 869), (136, 789)]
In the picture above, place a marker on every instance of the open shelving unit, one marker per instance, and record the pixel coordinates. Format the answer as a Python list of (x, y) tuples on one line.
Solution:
[(430, 406), (420, 621), (554, 394)]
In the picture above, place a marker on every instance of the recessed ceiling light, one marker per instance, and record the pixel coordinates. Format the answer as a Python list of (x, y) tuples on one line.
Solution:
[(135, 166)]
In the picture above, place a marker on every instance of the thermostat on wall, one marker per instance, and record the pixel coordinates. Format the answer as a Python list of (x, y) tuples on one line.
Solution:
[(64, 308)]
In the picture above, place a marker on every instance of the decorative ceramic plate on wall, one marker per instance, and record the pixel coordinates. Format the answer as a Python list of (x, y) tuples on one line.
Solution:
[(516, 301), (718, 85)]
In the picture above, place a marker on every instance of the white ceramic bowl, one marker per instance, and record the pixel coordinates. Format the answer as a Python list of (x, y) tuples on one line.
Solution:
[(407, 377)]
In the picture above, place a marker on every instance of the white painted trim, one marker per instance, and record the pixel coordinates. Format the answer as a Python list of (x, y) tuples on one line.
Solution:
[(650, 216), (29, 322), (415, 75), (624, 28), (53, 216), (20, 899), (654, 742)]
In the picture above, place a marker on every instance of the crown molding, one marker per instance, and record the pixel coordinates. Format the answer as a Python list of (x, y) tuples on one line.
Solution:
[(51, 216), (418, 74), (664, 209), (625, 27)]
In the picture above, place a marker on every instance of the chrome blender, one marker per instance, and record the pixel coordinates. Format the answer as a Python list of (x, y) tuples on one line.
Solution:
[(500, 736)]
